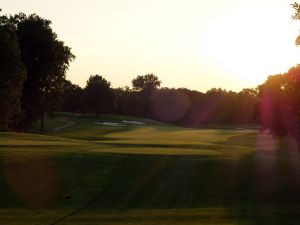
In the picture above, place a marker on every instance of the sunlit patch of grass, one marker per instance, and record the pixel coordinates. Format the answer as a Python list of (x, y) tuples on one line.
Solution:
[(159, 151), (27, 140), (197, 216), (141, 217), (162, 216)]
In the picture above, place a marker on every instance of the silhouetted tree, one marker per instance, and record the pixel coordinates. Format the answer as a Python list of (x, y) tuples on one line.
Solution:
[(72, 98), (296, 16), (12, 75), (245, 106), (279, 106), (193, 116), (187, 107), (146, 85), (99, 97), (47, 60), (213, 98), (169, 105), (128, 102)]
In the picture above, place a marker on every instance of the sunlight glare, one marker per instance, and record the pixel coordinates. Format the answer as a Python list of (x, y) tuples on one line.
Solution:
[(250, 48)]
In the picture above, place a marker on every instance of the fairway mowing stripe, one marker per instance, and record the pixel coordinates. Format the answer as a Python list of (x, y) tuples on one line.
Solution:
[(92, 200), (198, 216), (145, 178)]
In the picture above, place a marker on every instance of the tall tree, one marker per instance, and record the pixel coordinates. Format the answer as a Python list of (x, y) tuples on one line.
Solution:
[(296, 16), (72, 98), (279, 106), (47, 60), (12, 75), (245, 107), (146, 84), (99, 96)]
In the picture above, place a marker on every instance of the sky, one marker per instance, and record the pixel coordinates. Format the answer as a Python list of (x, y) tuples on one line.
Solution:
[(197, 44)]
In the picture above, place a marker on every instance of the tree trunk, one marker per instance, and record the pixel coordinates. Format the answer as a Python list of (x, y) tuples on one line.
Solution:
[(298, 142), (42, 121), (296, 135)]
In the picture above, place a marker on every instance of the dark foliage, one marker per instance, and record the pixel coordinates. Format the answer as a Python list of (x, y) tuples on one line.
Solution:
[(12, 75), (47, 60), (72, 98), (180, 106), (98, 96), (279, 106)]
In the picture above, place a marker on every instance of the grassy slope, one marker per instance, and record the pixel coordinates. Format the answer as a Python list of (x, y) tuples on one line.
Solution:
[(152, 174)]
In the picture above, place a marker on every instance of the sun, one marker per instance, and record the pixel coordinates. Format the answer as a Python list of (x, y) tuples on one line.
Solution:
[(250, 49)]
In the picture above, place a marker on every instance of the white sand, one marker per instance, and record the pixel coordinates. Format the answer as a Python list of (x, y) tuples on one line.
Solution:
[(133, 122), (111, 124)]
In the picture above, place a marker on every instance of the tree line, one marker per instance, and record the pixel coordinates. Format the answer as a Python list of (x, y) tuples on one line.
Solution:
[(33, 83), (33, 65), (147, 99)]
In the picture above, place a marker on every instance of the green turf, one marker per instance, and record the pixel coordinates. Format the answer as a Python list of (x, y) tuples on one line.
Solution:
[(147, 174)]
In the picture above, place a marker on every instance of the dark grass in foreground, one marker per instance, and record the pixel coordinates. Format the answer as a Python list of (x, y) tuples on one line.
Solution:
[(150, 174)]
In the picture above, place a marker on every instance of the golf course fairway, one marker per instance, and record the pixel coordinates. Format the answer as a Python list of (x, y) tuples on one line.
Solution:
[(81, 172)]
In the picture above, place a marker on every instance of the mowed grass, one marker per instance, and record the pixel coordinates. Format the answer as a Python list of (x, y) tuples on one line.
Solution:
[(147, 174)]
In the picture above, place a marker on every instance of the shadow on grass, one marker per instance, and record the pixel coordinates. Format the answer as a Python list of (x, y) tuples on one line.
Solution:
[(261, 187)]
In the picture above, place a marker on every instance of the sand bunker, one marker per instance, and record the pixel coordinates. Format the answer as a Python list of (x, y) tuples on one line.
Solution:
[(111, 124), (123, 124), (133, 122)]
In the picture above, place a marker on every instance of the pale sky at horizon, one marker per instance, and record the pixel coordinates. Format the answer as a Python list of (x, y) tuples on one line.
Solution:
[(197, 44)]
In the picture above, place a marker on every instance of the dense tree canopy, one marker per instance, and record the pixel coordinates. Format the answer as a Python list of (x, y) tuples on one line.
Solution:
[(12, 75), (47, 60), (72, 98), (296, 16), (181, 106), (169, 105), (146, 83), (279, 104), (98, 95)]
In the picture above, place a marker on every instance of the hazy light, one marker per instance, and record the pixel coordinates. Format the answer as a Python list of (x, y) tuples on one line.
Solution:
[(195, 44)]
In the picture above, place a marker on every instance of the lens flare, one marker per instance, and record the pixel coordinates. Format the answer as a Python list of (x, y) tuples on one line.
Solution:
[(168, 105), (265, 162), (32, 178)]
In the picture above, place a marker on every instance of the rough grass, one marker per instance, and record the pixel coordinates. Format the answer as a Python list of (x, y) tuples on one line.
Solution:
[(152, 174)]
